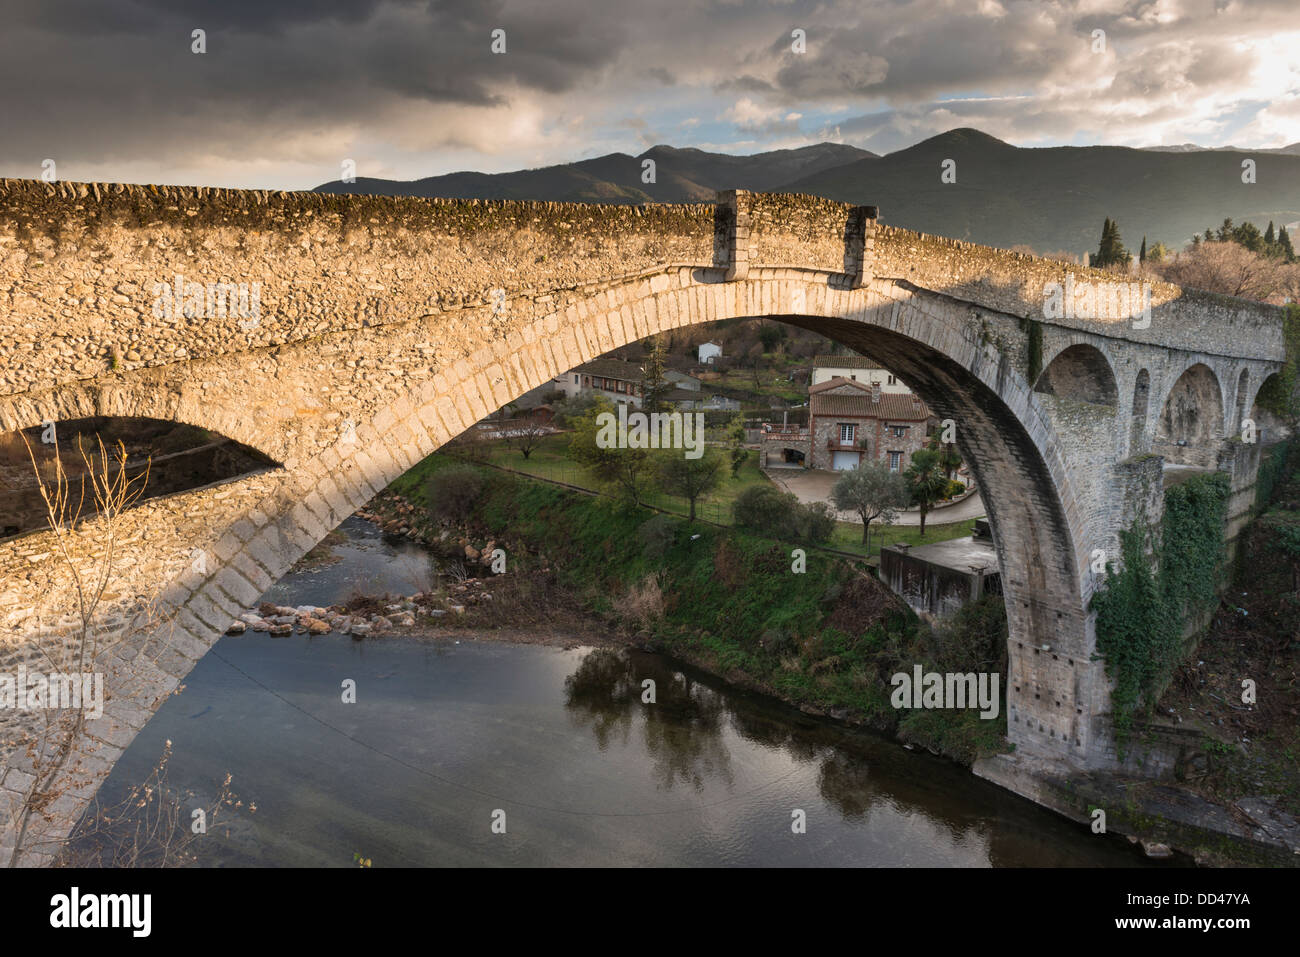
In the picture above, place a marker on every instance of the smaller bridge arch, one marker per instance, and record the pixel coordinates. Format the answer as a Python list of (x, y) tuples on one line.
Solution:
[(1081, 372), (1191, 423), (1138, 413)]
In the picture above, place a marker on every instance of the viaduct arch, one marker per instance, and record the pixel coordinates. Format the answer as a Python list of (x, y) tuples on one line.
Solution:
[(391, 325)]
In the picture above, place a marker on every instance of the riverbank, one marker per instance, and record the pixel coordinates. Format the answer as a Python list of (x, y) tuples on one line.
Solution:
[(577, 571)]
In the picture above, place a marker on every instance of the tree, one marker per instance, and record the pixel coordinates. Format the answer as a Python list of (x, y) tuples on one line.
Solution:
[(1111, 251), (949, 455), (1142, 253), (736, 443), (1284, 243), (692, 479), (86, 535), (526, 432), (926, 481), (873, 493), (1230, 269), (626, 472), (654, 387), (771, 334)]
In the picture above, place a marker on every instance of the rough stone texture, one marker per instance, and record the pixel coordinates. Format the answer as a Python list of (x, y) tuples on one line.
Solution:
[(380, 338)]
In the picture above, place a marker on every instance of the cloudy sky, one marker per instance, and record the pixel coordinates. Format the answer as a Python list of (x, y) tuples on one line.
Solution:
[(287, 90)]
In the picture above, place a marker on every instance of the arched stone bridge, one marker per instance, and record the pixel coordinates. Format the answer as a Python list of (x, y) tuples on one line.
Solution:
[(387, 326)]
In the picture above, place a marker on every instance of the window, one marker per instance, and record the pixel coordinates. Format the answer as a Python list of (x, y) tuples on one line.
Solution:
[(898, 431), (575, 380), (846, 433), (892, 380), (895, 461), (853, 378)]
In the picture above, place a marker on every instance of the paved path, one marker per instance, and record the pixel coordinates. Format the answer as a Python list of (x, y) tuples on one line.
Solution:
[(815, 486)]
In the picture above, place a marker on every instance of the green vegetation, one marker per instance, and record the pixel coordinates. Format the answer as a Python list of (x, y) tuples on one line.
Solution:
[(873, 493), (1142, 614), (1111, 251), (927, 482), (730, 601), (1033, 350), (1280, 393), (765, 509)]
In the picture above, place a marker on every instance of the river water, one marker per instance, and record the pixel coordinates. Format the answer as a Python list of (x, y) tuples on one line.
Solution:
[(447, 736)]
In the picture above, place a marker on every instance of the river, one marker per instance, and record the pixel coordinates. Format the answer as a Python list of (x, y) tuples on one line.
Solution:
[(446, 733)]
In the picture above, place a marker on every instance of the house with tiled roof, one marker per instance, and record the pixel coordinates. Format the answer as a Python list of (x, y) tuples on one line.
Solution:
[(851, 422), (612, 378), (856, 368)]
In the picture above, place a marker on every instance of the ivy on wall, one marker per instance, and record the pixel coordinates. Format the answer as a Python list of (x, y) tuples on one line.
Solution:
[(1144, 608), (1034, 348), (1281, 392), (1272, 466)]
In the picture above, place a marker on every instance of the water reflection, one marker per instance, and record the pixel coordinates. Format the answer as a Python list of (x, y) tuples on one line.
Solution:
[(681, 729), (444, 732)]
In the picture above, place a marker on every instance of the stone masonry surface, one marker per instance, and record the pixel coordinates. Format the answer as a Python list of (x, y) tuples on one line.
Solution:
[(388, 326)]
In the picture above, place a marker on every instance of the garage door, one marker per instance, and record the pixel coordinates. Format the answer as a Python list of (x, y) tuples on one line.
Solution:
[(843, 461)]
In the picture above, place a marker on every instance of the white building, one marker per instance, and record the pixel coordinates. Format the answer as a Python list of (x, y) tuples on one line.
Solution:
[(708, 351), (612, 378), (856, 369)]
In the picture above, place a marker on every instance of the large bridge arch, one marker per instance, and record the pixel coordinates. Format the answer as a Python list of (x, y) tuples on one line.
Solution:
[(387, 334)]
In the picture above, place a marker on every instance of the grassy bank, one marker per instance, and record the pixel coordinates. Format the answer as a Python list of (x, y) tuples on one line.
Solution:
[(550, 461), (826, 639)]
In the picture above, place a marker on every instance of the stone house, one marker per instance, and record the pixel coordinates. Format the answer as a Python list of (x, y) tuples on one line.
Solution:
[(612, 378), (851, 422)]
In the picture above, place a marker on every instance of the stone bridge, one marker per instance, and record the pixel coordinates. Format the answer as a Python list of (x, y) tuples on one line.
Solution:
[(386, 326)]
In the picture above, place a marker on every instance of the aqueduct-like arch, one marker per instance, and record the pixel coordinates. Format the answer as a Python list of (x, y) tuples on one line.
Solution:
[(388, 326)]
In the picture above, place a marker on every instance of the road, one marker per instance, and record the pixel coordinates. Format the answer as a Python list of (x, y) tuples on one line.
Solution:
[(815, 486)]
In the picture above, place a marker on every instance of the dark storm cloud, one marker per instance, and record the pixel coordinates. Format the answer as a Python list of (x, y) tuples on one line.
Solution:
[(111, 86)]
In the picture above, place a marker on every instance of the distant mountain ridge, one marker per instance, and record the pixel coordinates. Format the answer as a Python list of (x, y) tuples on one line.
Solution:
[(1050, 199)]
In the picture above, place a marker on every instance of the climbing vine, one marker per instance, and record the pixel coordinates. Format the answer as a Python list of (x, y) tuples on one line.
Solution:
[(1034, 349), (1143, 611), (1281, 393), (1273, 465)]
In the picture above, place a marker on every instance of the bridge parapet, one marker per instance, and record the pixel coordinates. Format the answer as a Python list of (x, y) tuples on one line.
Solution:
[(82, 267)]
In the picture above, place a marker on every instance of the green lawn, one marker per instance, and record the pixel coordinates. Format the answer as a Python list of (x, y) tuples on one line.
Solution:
[(550, 461), (848, 535)]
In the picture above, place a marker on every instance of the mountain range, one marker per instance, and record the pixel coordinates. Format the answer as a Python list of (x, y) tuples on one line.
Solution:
[(1049, 199)]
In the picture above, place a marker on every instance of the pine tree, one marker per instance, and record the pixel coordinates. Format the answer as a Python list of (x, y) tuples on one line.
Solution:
[(1284, 243), (1270, 239)]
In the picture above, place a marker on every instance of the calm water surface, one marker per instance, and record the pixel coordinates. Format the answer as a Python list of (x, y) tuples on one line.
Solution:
[(445, 733)]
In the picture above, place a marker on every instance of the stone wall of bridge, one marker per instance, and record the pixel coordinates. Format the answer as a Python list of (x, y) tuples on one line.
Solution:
[(346, 402)]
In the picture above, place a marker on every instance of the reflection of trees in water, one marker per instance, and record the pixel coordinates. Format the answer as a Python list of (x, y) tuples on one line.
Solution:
[(683, 735), (846, 782), (682, 730)]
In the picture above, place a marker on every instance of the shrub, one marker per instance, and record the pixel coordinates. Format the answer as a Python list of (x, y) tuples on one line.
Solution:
[(657, 536), (452, 492), (814, 523), (762, 507), (778, 514)]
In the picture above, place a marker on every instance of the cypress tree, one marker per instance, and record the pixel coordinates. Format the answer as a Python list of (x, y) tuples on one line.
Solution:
[(1284, 243), (1142, 253)]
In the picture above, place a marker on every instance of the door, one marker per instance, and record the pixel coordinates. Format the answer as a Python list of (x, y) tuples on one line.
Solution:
[(844, 461)]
